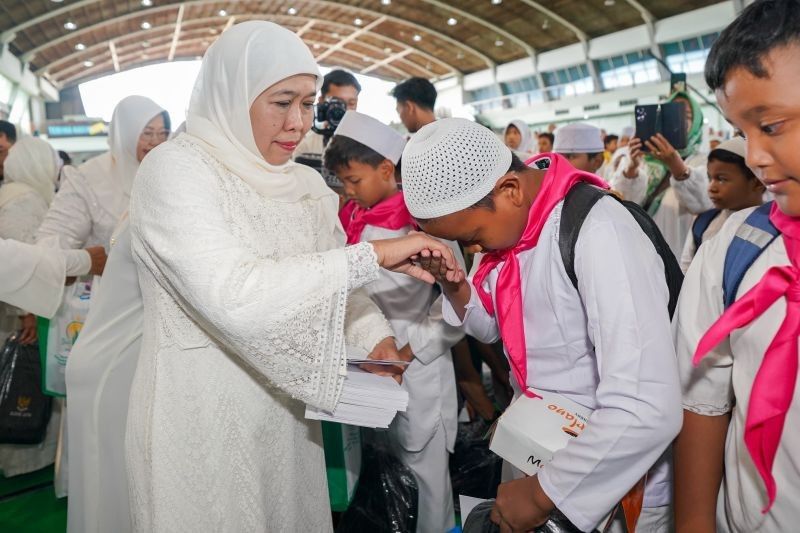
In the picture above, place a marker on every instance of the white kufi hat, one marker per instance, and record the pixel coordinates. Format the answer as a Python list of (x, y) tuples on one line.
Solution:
[(450, 165), (373, 134), (578, 138)]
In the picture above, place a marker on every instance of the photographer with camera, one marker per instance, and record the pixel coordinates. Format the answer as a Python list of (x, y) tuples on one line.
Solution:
[(339, 93)]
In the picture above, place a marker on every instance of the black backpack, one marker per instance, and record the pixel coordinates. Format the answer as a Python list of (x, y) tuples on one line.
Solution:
[(577, 204)]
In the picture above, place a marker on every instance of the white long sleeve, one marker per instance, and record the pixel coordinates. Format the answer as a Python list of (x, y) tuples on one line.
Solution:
[(622, 287), (284, 317), (693, 191), (31, 277), (69, 220)]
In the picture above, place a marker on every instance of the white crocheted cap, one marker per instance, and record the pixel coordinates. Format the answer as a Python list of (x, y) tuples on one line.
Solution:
[(372, 133), (450, 165), (578, 138)]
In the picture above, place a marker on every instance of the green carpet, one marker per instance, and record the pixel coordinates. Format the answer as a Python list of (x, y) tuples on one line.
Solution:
[(28, 504)]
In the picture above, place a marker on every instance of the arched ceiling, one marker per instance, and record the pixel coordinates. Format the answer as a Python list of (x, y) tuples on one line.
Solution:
[(71, 41)]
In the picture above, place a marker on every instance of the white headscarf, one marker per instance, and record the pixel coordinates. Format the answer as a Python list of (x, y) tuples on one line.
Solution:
[(127, 123), (526, 143), (245, 61), (30, 166)]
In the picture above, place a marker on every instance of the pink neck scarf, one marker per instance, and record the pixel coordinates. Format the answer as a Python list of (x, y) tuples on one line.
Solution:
[(557, 182), (773, 387), (390, 213)]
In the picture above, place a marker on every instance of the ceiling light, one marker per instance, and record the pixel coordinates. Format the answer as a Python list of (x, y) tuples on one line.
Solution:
[(335, 35), (460, 55), (223, 13), (609, 3), (417, 38), (69, 25), (386, 2), (317, 46), (499, 42), (497, 2), (366, 59), (80, 47), (199, 58), (292, 11), (88, 63), (147, 3), (56, 1), (545, 24), (387, 50), (358, 22), (146, 25), (145, 44), (451, 21)]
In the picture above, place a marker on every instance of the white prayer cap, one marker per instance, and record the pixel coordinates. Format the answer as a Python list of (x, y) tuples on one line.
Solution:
[(578, 138), (450, 165), (737, 146), (373, 134), (628, 132)]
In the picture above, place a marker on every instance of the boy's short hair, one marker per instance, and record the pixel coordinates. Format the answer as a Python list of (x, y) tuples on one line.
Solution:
[(724, 156), (9, 130), (760, 28), (417, 90), (548, 135), (342, 150), (610, 139), (339, 77)]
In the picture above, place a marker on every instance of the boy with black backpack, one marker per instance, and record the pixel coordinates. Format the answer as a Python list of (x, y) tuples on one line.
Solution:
[(602, 342), (737, 459)]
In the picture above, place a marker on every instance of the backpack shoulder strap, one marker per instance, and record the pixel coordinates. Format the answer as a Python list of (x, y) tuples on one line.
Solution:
[(579, 201), (754, 235), (701, 224)]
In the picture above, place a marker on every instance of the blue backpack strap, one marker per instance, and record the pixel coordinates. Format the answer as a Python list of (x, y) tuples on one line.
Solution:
[(753, 236), (701, 224)]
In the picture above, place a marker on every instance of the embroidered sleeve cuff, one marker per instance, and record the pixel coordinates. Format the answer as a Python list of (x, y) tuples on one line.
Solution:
[(362, 265)]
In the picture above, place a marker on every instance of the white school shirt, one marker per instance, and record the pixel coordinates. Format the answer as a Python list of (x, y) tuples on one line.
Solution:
[(722, 384), (414, 311), (689, 249), (681, 202), (608, 348)]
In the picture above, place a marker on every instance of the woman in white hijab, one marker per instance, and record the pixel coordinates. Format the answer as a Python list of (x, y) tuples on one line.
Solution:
[(93, 197), (31, 173), (517, 136), (249, 299)]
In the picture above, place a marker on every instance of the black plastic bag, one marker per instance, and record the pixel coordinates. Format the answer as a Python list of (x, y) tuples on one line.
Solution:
[(385, 500), (479, 521), (24, 409), (474, 469)]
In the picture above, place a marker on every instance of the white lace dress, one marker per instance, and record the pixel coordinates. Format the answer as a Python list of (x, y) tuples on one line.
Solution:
[(245, 302)]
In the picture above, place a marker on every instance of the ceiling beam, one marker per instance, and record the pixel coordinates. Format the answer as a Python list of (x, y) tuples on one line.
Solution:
[(307, 26), (580, 34), (114, 56), (278, 18), (176, 34), (392, 58), (173, 4), (483, 22), (352, 37)]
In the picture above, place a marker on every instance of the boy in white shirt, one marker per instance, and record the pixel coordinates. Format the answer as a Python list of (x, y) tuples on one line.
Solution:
[(737, 459), (364, 154), (606, 345), (732, 186)]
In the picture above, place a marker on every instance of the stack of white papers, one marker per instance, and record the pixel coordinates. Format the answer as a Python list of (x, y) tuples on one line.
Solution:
[(367, 400)]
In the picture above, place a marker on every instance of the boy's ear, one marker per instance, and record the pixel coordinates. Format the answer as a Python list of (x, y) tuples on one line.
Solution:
[(510, 186), (386, 169)]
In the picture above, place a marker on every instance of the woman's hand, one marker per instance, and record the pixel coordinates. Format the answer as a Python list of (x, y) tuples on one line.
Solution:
[(634, 158), (661, 149), (399, 255), (521, 505), (386, 350), (28, 333), (98, 257)]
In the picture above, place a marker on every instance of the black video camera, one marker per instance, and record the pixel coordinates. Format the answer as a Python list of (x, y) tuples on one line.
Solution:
[(328, 115)]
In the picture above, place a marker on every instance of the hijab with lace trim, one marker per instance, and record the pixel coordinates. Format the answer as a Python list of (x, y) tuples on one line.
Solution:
[(246, 60), (527, 144)]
